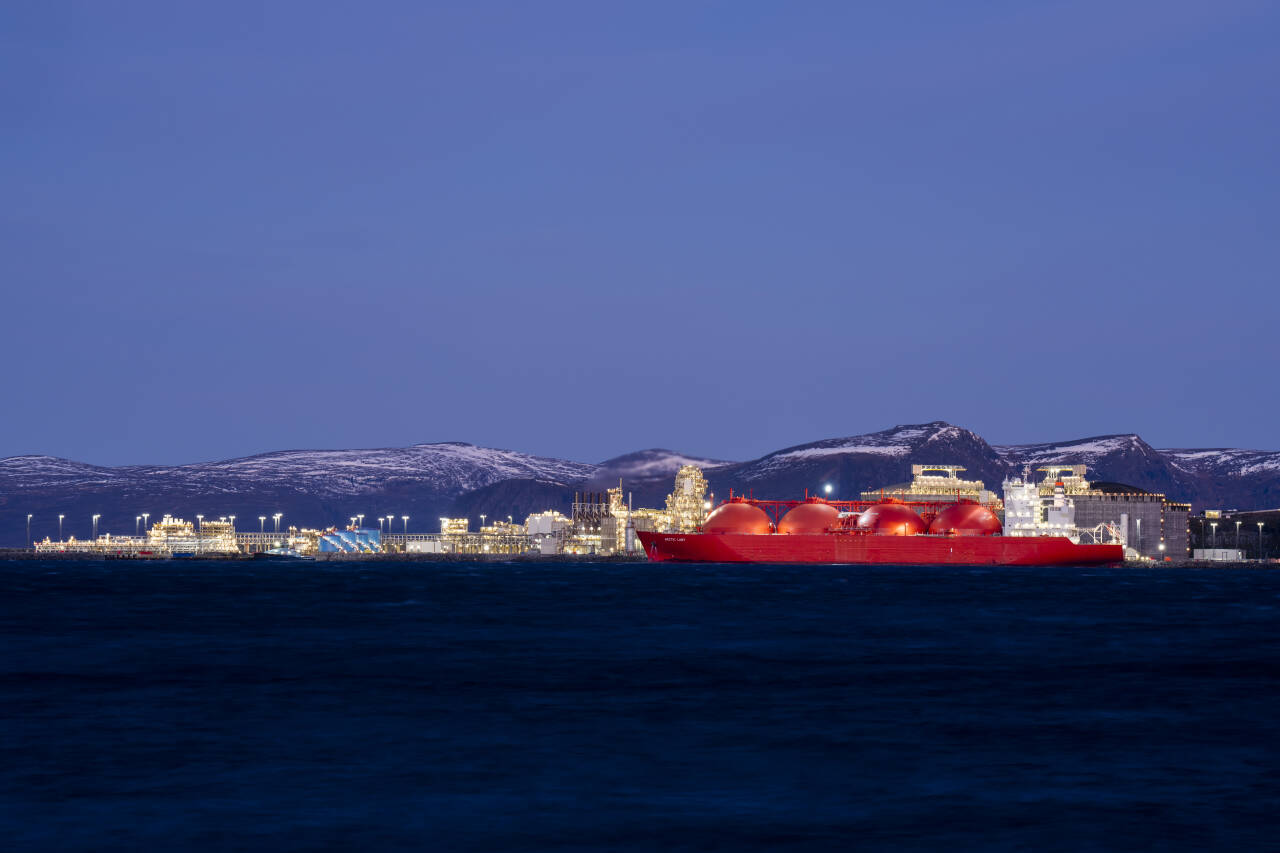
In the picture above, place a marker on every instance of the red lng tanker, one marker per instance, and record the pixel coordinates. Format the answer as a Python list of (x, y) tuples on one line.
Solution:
[(890, 532)]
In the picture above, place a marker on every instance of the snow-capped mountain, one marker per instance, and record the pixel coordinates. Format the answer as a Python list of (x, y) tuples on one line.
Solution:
[(857, 463), (1115, 458), (1241, 479), (451, 467), (1086, 450), (1226, 462), (52, 472)]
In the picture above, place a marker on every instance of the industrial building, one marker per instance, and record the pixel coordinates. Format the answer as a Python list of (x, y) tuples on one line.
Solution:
[(935, 484), (606, 523), (1148, 523), (687, 505), (349, 541), (456, 537), (168, 537)]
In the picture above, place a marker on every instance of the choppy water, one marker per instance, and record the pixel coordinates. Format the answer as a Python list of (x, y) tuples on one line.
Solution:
[(385, 706)]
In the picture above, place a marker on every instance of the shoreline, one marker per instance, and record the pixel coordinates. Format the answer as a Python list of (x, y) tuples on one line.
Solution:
[(30, 555)]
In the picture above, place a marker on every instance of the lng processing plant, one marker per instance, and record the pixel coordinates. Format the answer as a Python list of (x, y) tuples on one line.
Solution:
[(600, 524), (939, 516)]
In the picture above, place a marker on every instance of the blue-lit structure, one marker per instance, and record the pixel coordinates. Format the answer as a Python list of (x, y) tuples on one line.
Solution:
[(361, 541)]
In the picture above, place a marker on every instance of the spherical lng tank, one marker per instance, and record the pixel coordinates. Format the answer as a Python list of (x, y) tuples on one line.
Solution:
[(966, 518), (813, 516), (737, 516), (893, 519)]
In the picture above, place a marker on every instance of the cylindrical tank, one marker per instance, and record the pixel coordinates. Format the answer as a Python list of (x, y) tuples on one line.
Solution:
[(813, 516), (966, 518), (737, 516), (889, 518)]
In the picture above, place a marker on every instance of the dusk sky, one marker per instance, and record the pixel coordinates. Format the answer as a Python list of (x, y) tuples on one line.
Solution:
[(582, 229)]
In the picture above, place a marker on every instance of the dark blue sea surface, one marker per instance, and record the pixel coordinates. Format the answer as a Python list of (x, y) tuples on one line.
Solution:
[(375, 706)]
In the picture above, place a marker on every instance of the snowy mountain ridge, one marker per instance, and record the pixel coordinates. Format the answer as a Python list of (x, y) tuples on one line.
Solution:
[(1082, 451), (1226, 461), (446, 466), (457, 467), (898, 441)]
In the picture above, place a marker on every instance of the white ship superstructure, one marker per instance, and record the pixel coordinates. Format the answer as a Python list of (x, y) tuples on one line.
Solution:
[(1047, 508), (1027, 512)]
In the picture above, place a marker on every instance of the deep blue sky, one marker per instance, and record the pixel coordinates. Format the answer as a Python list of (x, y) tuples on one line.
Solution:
[(580, 229)]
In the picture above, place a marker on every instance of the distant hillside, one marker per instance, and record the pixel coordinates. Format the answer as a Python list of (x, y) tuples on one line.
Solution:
[(1119, 458), (861, 462)]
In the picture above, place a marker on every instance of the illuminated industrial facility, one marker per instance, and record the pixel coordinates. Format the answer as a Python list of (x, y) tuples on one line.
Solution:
[(168, 537), (606, 523), (934, 484)]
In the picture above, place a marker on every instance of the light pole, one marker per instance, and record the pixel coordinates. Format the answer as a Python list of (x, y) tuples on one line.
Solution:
[(29, 530), (390, 521), (1161, 546), (1237, 536), (380, 520), (406, 524), (827, 488), (277, 517), (60, 517), (145, 516), (1139, 534), (360, 519), (233, 521), (482, 518), (95, 525), (262, 524), (1213, 525), (199, 522), (1259, 540), (137, 525)]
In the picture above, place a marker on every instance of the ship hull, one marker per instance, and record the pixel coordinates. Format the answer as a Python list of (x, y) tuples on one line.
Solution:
[(873, 549)]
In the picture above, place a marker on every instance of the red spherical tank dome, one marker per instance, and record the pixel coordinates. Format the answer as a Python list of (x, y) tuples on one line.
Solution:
[(893, 519), (813, 516), (966, 518), (737, 517)]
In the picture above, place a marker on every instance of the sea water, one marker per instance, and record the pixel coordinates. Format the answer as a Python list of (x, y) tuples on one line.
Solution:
[(375, 706)]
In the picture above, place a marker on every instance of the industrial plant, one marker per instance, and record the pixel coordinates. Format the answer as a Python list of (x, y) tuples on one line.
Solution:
[(602, 524), (1052, 500)]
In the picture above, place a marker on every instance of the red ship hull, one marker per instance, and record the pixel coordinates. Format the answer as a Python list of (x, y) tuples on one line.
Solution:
[(873, 549)]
